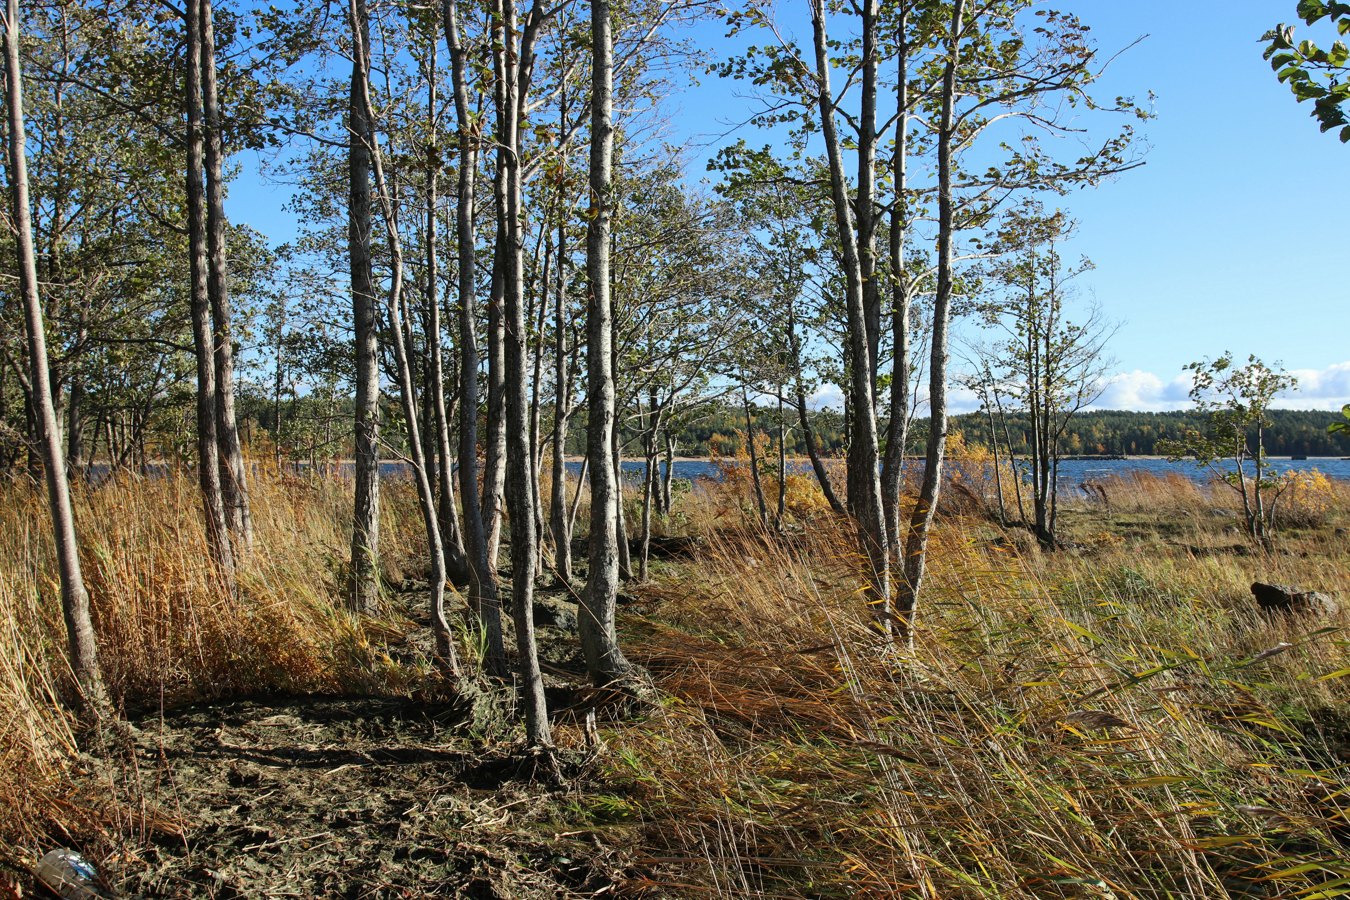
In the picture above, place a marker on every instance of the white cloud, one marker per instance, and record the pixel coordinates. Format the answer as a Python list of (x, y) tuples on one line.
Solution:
[(1327, 388), (828, 396), (960, 399), (1144, 391)]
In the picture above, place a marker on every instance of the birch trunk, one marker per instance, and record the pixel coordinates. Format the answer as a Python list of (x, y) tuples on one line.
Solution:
[(782, 461), (233, 472), (864, 478), (483, 596), (456, 562), (365, 586), (668, 476), (897, 431), (446, 656), (560, 525), (494, 455), (208, 446), (520, 469), (74, 598), (649, 484), (536, 381), (605, 661), (754, 461), (921, 521)]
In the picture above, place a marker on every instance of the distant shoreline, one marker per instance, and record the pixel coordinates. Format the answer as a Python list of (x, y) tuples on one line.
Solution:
[(828, 459)]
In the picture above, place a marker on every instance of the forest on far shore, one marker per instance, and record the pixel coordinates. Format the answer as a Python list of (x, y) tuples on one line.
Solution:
[(313, 427)]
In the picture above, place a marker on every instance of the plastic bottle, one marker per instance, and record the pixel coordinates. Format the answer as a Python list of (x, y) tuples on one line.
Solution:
[(69, 875)]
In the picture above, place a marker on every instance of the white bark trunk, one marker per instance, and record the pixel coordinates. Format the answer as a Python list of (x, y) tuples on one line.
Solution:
[(74, 598)]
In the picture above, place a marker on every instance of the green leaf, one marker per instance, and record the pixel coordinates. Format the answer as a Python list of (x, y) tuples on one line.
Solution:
[(1311, 10), (1080, 630)]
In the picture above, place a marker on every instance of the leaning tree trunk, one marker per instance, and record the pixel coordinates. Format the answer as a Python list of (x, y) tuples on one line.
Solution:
[(456, 562), (74, 597), (233, 473), (668, 476), (864, 478), (520, 468), (605, 662), (754, 461), (208, 446), (365, 575), (483, 596), (897, 430), (494, 453), (998, 472), (559, 522), (782, 461), (813, 451), (446, 656), (582, 482), (921, 521), (808, 433)]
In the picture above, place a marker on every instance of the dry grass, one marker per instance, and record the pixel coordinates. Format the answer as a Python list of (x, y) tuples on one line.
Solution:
[(1102, 725), (167, 632), (1111, 722), (1307, 498)]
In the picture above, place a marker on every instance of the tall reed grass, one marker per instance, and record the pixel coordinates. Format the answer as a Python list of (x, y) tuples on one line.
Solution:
[(1101, 725), (1116, 721)]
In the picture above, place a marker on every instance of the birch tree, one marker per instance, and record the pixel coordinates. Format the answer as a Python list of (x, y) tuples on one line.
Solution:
[(512, 59), (365, 550), (997, 74), (1049, 363), (483, 596), (605, 662), (446, 654), (234, 473), (82, 646), (203, 334)]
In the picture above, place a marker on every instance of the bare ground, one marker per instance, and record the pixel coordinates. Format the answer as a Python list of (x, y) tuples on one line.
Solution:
[(352, 798), (360, 797)]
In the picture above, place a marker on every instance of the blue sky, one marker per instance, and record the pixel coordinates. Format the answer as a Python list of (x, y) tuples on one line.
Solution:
[(1231, 237)]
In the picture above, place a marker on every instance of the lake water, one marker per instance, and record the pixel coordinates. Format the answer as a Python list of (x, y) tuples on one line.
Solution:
[(1071, 471)]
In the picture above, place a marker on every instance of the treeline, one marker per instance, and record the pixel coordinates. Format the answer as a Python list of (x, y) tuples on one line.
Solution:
[(719, 430), (1291, 432), (317, 427)]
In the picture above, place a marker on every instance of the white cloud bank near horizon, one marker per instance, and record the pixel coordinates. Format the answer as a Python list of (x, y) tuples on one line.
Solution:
[(1325, 389)]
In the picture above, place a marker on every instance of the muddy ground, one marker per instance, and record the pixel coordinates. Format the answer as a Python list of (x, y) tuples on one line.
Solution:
[(354, 798), (366, 797)]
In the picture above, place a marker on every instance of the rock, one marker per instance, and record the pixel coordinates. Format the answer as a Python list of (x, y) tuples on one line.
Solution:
[(555, 614), (1283, 598)]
